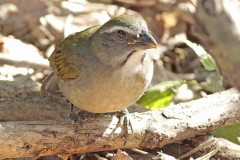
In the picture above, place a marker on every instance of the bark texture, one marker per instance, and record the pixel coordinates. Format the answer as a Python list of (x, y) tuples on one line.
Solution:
[(98, 132)]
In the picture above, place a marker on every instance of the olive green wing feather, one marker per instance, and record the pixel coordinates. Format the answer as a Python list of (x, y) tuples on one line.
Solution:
[(61, 67), (64, 56)]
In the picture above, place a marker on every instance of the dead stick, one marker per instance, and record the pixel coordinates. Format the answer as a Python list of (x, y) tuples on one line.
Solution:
[(34, 65)]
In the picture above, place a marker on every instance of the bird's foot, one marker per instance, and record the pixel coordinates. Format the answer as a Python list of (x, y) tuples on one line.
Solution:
[(74, 119), (124, 122), (72, 116)]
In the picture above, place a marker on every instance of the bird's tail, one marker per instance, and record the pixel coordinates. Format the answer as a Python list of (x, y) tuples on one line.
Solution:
[(50, 84)]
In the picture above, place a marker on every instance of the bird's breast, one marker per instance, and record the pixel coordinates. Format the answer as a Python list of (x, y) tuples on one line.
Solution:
[(108, 92)]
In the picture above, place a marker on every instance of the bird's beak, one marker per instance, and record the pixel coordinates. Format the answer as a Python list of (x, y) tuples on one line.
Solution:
[(146, 40)]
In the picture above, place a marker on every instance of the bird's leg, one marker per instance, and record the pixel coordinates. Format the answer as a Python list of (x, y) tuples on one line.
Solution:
[(74, 118), (124, 121)]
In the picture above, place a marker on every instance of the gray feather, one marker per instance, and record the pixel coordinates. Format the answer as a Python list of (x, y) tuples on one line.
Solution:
[(50, 84)]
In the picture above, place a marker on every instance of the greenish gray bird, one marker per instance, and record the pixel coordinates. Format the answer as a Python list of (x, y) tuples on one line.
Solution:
[(103, 68)]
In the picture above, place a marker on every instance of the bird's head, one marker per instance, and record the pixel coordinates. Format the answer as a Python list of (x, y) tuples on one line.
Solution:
[(123, 35)]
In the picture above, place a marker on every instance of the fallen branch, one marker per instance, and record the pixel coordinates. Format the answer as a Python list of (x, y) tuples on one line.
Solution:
[(21, 100), (34, 107), (95, 132)]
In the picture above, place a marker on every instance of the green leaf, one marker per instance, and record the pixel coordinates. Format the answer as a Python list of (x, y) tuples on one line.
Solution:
[(208, 63), (160, 96), (206, 59), (213, 84), (156, 99), (231, 133)]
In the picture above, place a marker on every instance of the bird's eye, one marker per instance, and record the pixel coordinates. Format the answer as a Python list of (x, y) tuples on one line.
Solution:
[(121, 34)]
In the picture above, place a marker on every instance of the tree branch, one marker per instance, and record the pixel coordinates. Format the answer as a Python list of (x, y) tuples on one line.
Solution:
[(94, 133), (26, 64)]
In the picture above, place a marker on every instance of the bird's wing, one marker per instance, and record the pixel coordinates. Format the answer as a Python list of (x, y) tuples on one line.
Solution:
[(64, 56), (61, 67)]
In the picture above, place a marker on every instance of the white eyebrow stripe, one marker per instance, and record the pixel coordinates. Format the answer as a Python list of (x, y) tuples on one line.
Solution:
[(115, 28)]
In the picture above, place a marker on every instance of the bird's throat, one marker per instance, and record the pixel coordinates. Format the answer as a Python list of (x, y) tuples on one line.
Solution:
[(127, 58), (133, 63)]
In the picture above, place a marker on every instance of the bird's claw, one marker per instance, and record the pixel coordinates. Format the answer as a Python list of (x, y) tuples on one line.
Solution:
[(124, 122)]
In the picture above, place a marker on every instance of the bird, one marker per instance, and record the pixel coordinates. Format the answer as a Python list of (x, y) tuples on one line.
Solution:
[(103, 68)]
